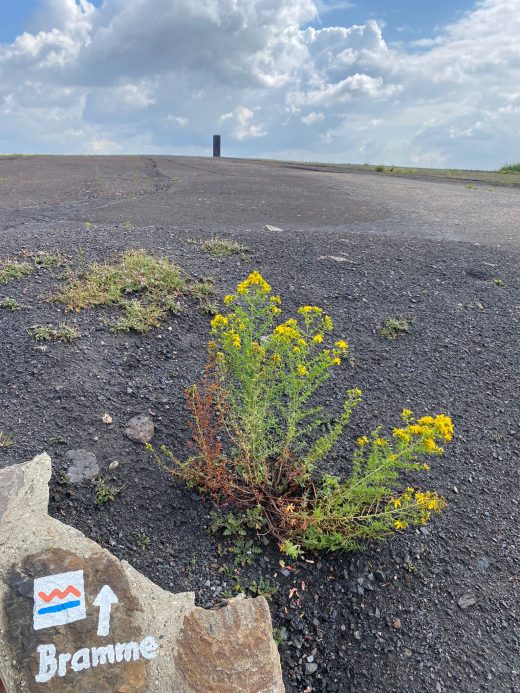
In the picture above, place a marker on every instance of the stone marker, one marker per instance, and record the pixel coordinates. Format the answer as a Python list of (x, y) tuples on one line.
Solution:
[(140, 429), (73, 618), (268, 227)]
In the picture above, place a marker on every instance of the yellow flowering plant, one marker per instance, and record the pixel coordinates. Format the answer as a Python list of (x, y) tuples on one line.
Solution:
[(257, 439)]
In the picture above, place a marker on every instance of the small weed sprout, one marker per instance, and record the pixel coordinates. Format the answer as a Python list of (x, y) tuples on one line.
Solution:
[(64, 478), (394, 327), (13, 269), (62, 333), (42, 258), (280, 635), (498, 282), (143, 540), (105, 493), (262, 588), (5, 440), (258, 437), (10, 304), (244, 552)]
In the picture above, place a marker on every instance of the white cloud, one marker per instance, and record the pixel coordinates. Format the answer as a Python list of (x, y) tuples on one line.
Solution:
[(242, 122), (118, 77), (313, 117)]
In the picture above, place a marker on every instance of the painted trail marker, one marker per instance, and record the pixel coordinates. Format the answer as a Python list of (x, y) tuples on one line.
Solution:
[(58, 599), (75, 619)]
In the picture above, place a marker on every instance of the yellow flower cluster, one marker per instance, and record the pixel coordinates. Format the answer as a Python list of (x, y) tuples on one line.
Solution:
[(302, 370), (429, 501), (310, 310), (288, 331), (233, 338), (342, 346), (219, 321), (255, 280), (428, 428)]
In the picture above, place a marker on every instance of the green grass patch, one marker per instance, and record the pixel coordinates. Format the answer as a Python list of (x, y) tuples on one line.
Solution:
[(5, 440), (510, 168), (394, 327), (222, 247), (145, 287), (10, 304), (13, 269), (61, 333), (42, 258)]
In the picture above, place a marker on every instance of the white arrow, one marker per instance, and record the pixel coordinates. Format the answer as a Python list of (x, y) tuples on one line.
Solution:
[(104, 600)]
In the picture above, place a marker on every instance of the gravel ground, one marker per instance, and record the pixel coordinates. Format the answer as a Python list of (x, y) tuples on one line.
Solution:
[(430, 610)]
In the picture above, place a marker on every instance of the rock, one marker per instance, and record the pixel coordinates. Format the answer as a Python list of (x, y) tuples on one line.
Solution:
[(75, 618), (482, 563), (466, 601), (106, 419), (396, 623), (140, 429), (311, 667), (83, 466), (268, 227)]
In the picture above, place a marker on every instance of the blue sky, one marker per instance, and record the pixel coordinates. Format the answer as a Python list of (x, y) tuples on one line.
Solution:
[(403, 19), (404, 82)]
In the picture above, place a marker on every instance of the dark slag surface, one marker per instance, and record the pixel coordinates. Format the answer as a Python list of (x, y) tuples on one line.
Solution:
[(386, 619)]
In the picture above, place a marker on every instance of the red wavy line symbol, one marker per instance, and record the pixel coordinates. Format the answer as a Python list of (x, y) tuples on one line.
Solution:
[(58, 593)]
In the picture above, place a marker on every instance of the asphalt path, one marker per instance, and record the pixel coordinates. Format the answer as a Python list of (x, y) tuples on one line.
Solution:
[(232, 194)]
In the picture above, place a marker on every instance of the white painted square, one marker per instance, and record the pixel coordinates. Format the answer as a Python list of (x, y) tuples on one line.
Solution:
[(59, 599)]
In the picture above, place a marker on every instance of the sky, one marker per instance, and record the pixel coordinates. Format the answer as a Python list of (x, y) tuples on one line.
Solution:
[(403, 83)]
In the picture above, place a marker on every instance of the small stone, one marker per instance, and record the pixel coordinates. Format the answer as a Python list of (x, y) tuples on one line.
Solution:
[(482, 563), (285, 572), (113, 465), (106, 419), (396, 623), (407, 652), (335, 258), (140, 429), (311, 667), (466, 601), (268, 227), (357, 634), (83, 466)]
